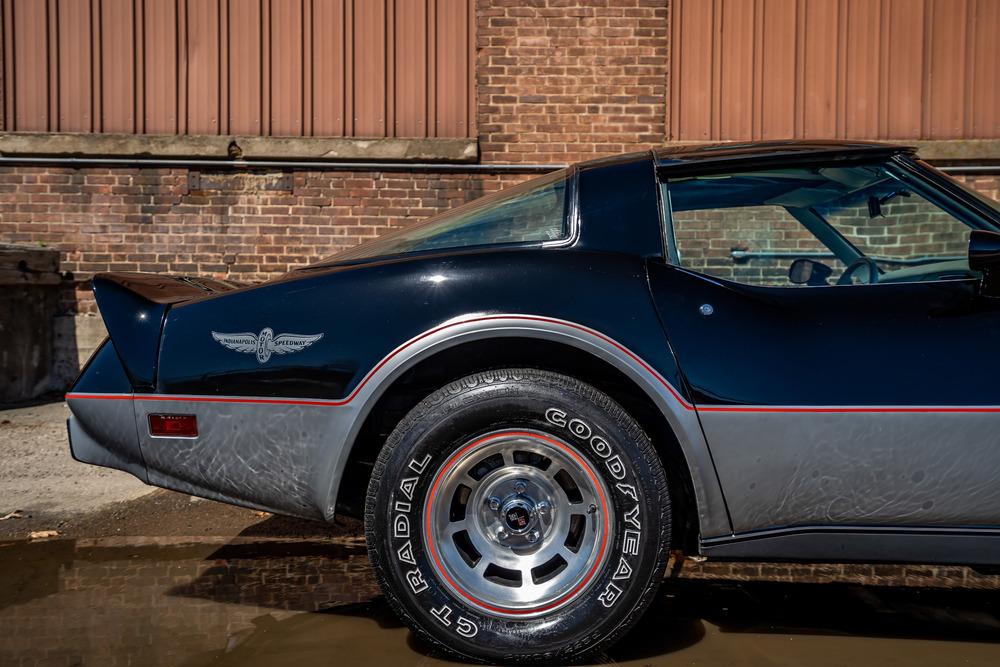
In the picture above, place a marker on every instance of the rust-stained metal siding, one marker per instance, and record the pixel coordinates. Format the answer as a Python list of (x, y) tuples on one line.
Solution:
[(868, 69), (372, 68)]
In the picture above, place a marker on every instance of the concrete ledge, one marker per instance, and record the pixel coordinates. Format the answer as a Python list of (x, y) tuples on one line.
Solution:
[(117, 145), (958, 150), (350, 149), (443, 149)]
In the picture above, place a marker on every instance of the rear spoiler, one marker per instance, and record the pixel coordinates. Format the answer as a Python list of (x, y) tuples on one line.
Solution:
[(134, 306)]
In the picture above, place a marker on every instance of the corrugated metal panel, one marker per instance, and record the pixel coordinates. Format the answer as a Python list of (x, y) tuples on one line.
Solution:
[(984, 73), (286, 68), (735, 63), (692, 77), (28, 81), (863, 89), (817, 85), (203, 80), (281, 67), (411, 68), (891, 69), (946, 92), (775, 92), (161, 59), (117, 66), (369, 68), (452, 68), (244, 36), (75, 65), (904, 79), (328, 69)]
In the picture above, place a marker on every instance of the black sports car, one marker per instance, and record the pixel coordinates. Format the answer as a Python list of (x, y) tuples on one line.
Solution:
[(775, 351)]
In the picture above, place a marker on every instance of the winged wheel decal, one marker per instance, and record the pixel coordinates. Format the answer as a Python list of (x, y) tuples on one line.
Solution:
[(266, 343)]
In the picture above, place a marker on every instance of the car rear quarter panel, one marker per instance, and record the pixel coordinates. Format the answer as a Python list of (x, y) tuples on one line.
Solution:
[(277, 434)]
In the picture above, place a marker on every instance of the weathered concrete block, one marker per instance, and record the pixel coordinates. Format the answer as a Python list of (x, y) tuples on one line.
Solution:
[(76, 339)]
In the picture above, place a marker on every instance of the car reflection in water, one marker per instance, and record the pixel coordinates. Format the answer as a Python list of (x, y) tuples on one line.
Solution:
[(315, 602)]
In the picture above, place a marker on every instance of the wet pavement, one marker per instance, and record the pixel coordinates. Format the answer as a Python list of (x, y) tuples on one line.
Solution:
[(274, 601)]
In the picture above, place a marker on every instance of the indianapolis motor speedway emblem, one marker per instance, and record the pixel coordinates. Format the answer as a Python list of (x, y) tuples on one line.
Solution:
[(266, 343)]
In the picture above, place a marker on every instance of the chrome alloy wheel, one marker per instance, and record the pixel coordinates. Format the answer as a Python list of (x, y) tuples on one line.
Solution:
[(517, 523)]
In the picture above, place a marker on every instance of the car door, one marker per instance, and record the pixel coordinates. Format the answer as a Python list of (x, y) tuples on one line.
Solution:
[(844, 402)]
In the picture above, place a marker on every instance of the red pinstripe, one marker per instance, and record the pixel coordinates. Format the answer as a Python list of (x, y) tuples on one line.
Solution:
[(548, 320)]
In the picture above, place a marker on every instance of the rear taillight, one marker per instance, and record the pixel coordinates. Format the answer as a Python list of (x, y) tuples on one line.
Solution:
[(173, 426)]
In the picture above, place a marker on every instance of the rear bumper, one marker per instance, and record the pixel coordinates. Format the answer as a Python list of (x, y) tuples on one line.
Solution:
[(272, 454), (102, 424), (87, 449)]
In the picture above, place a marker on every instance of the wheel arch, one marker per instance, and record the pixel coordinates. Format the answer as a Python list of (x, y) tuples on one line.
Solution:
[(549, 345)]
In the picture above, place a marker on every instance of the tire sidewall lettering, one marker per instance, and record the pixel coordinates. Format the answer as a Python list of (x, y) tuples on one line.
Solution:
[(622, 562), (582, 432), (404, 552)]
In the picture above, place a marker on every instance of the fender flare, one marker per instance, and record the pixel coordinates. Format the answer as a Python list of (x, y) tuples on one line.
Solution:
[(679, 413)]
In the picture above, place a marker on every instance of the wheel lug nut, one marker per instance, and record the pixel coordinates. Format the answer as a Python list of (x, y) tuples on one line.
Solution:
[(501, 534), (520, 486), (494, 503), (533, 536), (543, 508)]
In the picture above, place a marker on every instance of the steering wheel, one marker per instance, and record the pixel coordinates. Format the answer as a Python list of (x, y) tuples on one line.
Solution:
[(846, 278)]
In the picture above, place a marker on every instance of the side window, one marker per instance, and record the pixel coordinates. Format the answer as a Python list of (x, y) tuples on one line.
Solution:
[(532, 212), (754, 245), (812, 227)]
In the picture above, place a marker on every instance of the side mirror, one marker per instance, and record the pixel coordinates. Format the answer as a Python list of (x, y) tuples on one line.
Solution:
[(984, 257), (809, 272)]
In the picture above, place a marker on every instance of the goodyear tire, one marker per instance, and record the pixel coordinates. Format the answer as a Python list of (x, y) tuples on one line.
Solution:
[(518, 516)]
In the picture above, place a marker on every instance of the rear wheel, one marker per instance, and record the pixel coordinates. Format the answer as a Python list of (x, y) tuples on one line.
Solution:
[(518, 515)]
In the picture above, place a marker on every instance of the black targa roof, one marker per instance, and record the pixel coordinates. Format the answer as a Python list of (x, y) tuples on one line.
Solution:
[(701, 158)]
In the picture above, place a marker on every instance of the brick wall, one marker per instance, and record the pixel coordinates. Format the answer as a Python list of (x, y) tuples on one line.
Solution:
[(237, 226), (987, 185), (562, 81), (558, 81)]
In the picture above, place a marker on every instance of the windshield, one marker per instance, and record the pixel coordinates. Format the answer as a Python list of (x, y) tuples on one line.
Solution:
[(532, 212), (991, 204)]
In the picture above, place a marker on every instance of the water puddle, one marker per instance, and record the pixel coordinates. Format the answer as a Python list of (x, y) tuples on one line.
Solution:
[(315, 603)]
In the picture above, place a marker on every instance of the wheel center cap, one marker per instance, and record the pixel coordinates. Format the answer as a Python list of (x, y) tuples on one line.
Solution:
[(517, 513)]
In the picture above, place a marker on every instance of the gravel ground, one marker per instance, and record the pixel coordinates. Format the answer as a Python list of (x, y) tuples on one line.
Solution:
[(39, 476), (40, 481)]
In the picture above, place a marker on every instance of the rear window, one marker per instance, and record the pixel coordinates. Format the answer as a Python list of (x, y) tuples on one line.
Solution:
[(532, 212)]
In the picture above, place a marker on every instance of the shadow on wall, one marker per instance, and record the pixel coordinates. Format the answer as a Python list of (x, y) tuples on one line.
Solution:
[(40, 337)]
